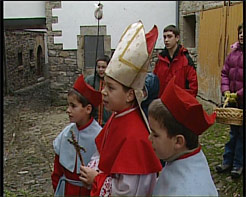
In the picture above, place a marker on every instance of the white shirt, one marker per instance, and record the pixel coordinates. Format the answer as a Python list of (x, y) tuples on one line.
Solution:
[(123, 184), (186, 177)]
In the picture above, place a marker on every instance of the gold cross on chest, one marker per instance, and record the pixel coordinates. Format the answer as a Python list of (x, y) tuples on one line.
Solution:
[(77, 147)]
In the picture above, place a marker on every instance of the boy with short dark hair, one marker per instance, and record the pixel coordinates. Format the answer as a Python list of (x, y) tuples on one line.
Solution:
[(82, 98), (126, 163), (176, 120), (174, 60), (173, 29), (96, 80)]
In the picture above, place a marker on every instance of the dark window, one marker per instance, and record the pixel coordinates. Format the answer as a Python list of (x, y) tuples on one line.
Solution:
[(90, 49), (31, 55), (39, 61), (20, 59), (189, 31)]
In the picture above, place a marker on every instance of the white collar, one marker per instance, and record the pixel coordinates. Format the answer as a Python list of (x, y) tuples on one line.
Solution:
[(125, 112)]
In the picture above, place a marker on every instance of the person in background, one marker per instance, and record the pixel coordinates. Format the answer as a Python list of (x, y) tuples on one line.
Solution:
[(65, 177), (100, 114), (232, 87), (176, 120), (175, 60), (151, 91), (125, 164)]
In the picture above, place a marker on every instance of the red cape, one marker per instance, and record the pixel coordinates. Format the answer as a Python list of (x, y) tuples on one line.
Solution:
[(124, 146)]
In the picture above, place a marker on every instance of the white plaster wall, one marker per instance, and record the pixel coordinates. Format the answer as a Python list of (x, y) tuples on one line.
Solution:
[(23, 9), (117, 15)]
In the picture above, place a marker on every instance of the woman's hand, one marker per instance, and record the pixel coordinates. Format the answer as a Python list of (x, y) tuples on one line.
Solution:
[(87, 174)]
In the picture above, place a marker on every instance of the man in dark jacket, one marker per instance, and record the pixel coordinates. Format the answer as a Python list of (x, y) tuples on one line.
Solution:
[(101, 115), (175, 60)]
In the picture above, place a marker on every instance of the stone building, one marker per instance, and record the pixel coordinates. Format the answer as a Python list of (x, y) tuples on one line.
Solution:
[(63, 64), (24, 52), (25, 59), (66, 65), (207, 30), (207, 38)]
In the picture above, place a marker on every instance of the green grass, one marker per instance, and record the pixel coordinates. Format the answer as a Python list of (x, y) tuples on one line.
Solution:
[(213, 142), (21, 193), (18, 193)]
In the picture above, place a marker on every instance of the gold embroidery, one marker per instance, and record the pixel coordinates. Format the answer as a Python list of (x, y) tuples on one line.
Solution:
[(126, 48)]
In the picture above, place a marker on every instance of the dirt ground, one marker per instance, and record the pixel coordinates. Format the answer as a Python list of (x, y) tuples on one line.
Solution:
[(31, 125)]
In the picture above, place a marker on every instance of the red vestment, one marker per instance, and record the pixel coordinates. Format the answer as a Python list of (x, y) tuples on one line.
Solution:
[(71, 190), (124, 148), (65, 164)]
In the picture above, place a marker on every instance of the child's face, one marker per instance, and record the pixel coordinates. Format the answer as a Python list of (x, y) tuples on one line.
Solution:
[(114, 97), (101, 67), (163, 146), (76, 112), (240, 36), (170, 40)]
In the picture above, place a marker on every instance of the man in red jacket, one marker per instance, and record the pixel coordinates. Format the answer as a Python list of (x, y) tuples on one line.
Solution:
[(175, 60)]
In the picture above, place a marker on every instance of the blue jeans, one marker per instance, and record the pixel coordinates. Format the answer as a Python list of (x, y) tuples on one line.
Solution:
[(233, 154)]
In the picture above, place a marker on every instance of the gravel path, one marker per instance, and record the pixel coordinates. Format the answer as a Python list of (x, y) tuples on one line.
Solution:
[(29, 130), (30, 126)]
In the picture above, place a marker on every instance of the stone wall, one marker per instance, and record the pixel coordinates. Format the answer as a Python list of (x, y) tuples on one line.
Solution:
[(63, 68), (21, 49), (66, 65), (154, 59), (189, 8)]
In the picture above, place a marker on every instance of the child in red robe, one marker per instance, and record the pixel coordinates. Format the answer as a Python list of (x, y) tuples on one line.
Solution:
[(125, 163), (65, 177)]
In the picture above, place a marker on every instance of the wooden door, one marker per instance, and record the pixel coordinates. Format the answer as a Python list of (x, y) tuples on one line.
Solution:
[(218, 30), (234, 18), (210, 53)]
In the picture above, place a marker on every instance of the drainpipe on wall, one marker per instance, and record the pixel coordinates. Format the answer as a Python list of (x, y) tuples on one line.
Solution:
[(5, 92), (177, 13), (46, 58)]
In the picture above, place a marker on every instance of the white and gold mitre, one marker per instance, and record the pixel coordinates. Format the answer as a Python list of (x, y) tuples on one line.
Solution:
[(130, 61)]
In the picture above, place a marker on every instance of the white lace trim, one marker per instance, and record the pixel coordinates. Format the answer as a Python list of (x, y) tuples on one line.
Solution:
[(106, 189)]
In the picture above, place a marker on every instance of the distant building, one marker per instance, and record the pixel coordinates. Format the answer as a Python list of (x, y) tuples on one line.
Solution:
[(70, 38), (56, 40), (24, 45)]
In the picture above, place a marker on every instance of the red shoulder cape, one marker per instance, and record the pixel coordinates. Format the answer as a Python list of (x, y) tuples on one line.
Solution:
[(124, 146)]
